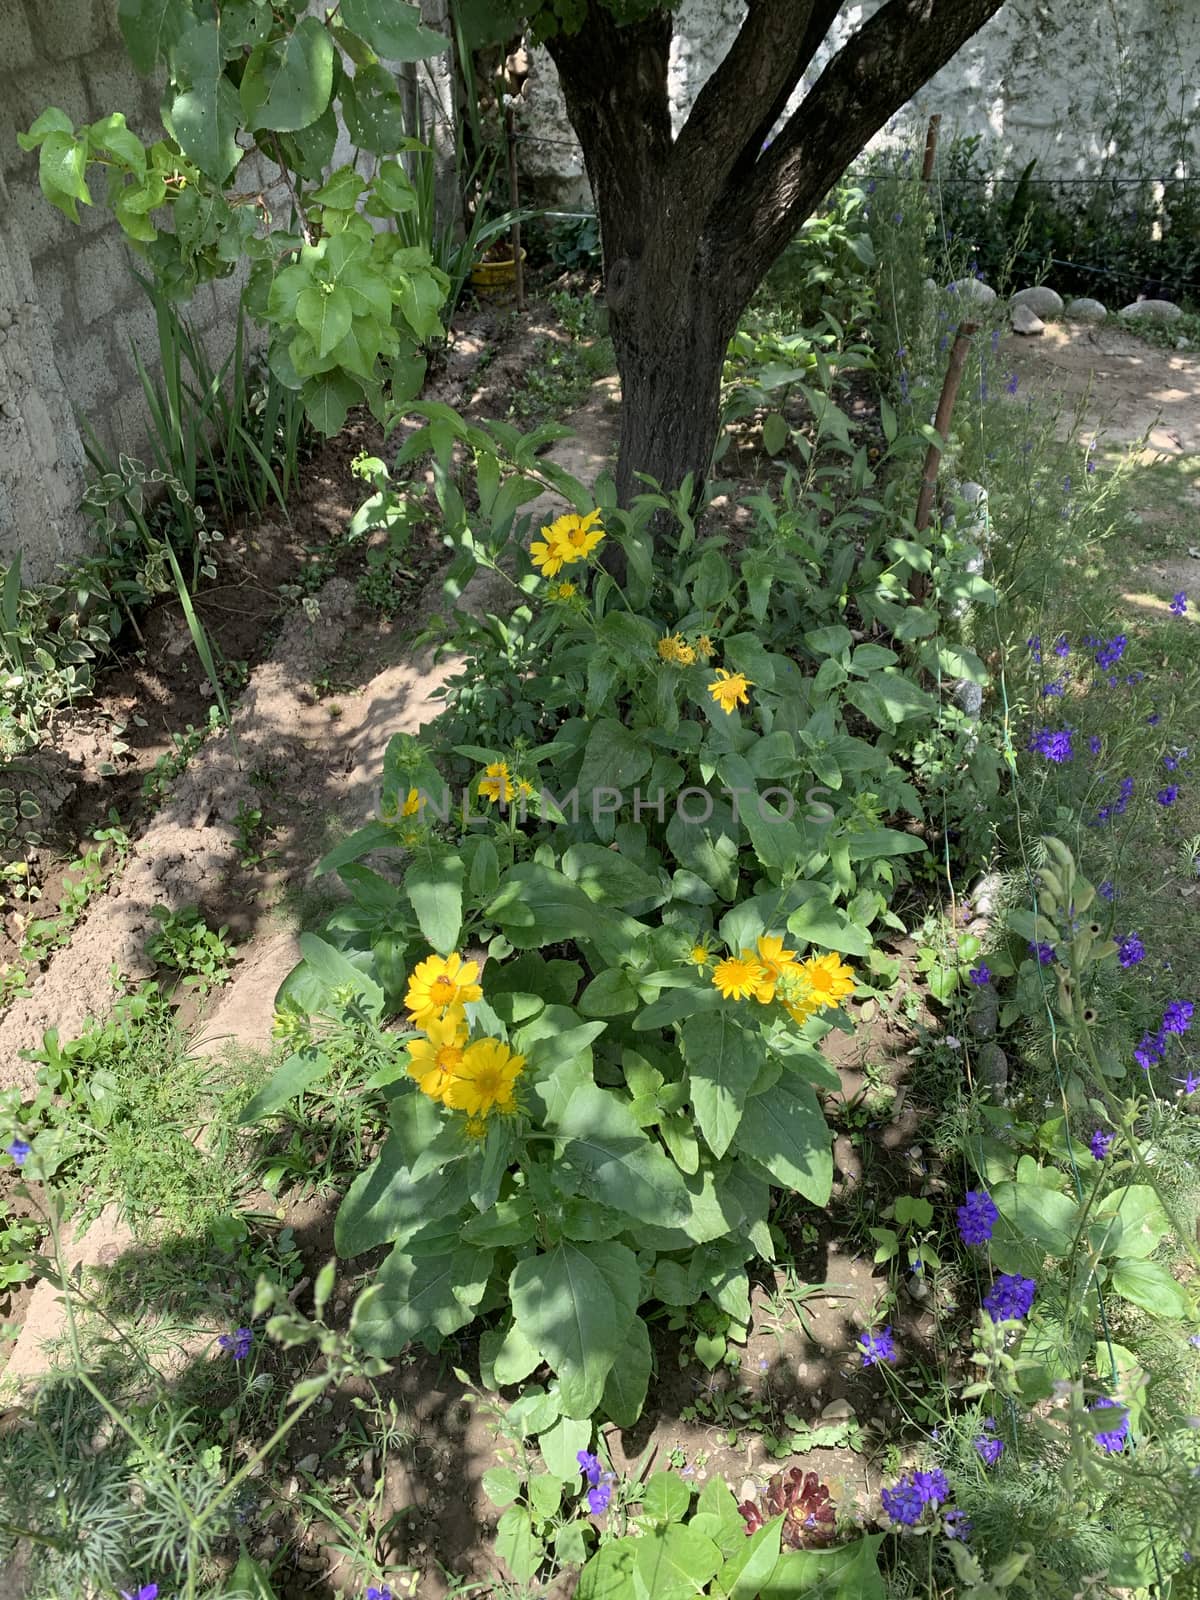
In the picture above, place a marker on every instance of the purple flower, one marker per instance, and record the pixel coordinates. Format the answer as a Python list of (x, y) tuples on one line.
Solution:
[(1043, 952), (1168, 796), (1100, 1144), (1061, 647), (1130, 950), (1055, 746), (990, 1450), (1009, 1298), (931, 1486), (877, 1347), (1150, 1051), (589, 1465), (598, 1498), (1106, 890), (148, 1591), (1154, 719), (956, 1524), (378, 1592), (1109, 654), (1113, 1439), (980, 975), (1055, 690), (237, 1344), (1177, 1018), (1095, 744), (1011, 385), (902, 1503), (1189, 1084), (1034, 646), (977, 1217), (19, 1150), (1179, 603)]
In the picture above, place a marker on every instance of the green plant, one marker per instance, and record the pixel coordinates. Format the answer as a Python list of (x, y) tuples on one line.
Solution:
[(49, 635), (186, 944), (253, 831), (157, 783)]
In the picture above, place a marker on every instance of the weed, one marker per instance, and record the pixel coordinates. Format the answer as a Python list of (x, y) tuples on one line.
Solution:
[(185, 944), (157, 783)]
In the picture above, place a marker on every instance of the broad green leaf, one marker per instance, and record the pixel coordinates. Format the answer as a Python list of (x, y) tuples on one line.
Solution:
[(393, 30), (339, 974), (605, 876), (435, 888), (1037, 1215), (293, 1077), (384, 1202), (515, 1359), (545, 1494), (373, 110), (829, 641), (561, 1444), (617, 1164), (612, 994), (1150, 1285), (373, 836), (745, 1572), (287, 82), (723, 1059), (775, 433), (508, 1222), (818, 921), (328, 399), (1130, 1222), (111, 134), (205, 112), (61, 167), (323, 311), (676, 1562), (502, 1485), (849, 1573), (249, 1580), (785, 1132), (517, 1545), (873, 843), (627, 1382), (417, 1297), (565, 1306), (666, 1498), (609, 1575), (150, 28)]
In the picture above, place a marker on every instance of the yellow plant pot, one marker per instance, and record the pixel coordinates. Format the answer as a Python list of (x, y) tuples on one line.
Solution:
[(491, 276)]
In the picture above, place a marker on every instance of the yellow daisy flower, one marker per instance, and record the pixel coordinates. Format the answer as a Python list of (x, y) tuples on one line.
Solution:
[(730, 689), (561, 591), (412, 805), (829, 979), (698, 955), (439, 983), (547, 558), (496, 783), (775, 959), (568, 539), (525, 789), (799, 1011), (486, 1079), (434, 1060), (739, 976), (704, 647)]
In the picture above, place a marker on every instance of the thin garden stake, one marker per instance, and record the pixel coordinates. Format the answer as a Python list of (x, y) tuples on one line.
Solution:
[(931, 139), (918, 584), (519, 272)]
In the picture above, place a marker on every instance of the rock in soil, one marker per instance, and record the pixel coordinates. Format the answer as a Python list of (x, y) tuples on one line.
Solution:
[(1084, 309), (1026, 321), (1041, 300)]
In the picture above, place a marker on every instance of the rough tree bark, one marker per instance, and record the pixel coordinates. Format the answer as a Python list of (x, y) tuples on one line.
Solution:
[(691, 224)]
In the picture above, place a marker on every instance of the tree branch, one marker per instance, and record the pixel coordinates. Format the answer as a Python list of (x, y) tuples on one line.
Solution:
[(873, 75)]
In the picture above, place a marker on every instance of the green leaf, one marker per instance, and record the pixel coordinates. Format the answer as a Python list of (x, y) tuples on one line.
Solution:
[(849, 1573), (606, 877), (723, 1059), (249, 1580), (1151, 1286), (393, 31), (612, 994), (517, 1545), (337, 973), (617, 1163), (150, 28), (324, 312), (775, 433), (205, 112), (666, 1498), (288, 81), (415, 1297), (292, 1078), (628, 1380), (545, 1495), (785, 1131), (327, 400), (745, 1572), (1037, 1215), (373, 110), (561, 1444), (515, 1359), (610, 1574), (1130, 1222), (818, 921), (61, 168), (830, 641), (676, 1562), (384, 1202), (502, 1485), (373, 836), (565, 1306), (339, 191), (435, 888), (111, 134)]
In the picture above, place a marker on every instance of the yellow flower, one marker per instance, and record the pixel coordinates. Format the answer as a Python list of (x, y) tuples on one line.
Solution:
[(439, 983), (434, 1060), (829, 979), (496, 784), (799, 1011), (698, 955), (730, 689), (775, 959), (412, 805), (561, 591), (569, 539), (525, 789), (739, 976), (410, 837), (486, 1079), (704, 646), (685, 655)]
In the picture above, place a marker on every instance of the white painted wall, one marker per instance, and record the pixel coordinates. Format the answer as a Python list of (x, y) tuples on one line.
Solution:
[(1084, 85)]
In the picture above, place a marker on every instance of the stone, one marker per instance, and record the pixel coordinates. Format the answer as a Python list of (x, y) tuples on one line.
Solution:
[(1026, 321), (1041, 300), (1150, 311), (991, 1068), (837, 1411), (972, 292), (1083, 309)]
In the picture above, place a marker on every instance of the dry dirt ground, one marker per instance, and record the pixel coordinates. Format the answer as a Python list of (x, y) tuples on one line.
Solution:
[(800, 1365)]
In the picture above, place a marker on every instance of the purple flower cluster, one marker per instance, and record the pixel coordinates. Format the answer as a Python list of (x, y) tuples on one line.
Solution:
[(956, 1524), (1130, 950), (1169, 795), (980, 975), (1034, 646), (977, 1217), (989, 1447), (1177, 1018), (1120, 804), (1100, 1144), (905, 1501), (19, 1150), (237, 1344), (378, 1591), (1179, 603), (1106, 891), (1054, 744), (1009, 1298), (1111, 652), (601, 1482), (877, 1347), (1112, 1439), (146, 1591), (1062, 648), (1042, 952)]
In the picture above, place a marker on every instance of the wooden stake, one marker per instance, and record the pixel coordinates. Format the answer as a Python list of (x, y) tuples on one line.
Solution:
[(931, 139), (511, 138), (918, 585)]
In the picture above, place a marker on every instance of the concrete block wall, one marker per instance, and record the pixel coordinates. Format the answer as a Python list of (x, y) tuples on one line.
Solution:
[(73, 302)]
